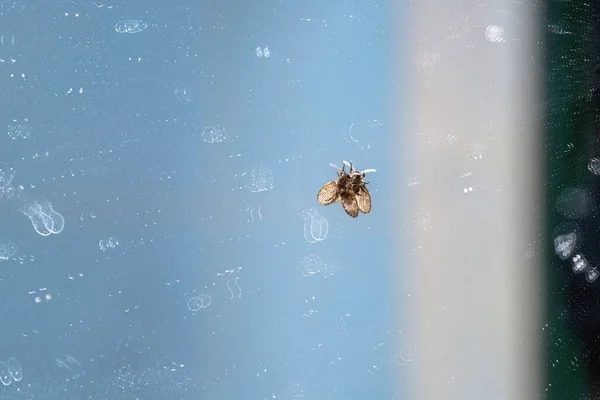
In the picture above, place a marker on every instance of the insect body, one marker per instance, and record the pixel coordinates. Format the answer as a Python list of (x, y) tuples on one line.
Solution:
[(350, 189)]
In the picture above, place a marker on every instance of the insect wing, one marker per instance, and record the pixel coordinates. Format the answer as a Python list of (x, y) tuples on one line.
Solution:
[(364, 200), (350, 204), (328, 194)]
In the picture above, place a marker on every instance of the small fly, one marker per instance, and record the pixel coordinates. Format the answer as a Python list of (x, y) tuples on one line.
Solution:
[(349, 188)]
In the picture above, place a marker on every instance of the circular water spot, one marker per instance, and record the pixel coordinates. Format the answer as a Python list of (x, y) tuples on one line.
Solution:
[(213, 134), (405, 355), (494, 34)]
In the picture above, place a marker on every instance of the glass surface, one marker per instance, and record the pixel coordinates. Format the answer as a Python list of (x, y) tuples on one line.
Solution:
[(161, 235), (571, 149), (160, 232)]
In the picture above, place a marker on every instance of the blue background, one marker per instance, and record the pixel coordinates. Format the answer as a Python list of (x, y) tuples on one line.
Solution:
[(125, 159)]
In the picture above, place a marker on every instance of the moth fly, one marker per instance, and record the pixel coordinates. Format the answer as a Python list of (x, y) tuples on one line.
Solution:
[(349, 188)]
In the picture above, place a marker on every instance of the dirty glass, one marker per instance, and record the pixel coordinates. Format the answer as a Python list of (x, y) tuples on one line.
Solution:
[(572, 159), (160, 231)]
